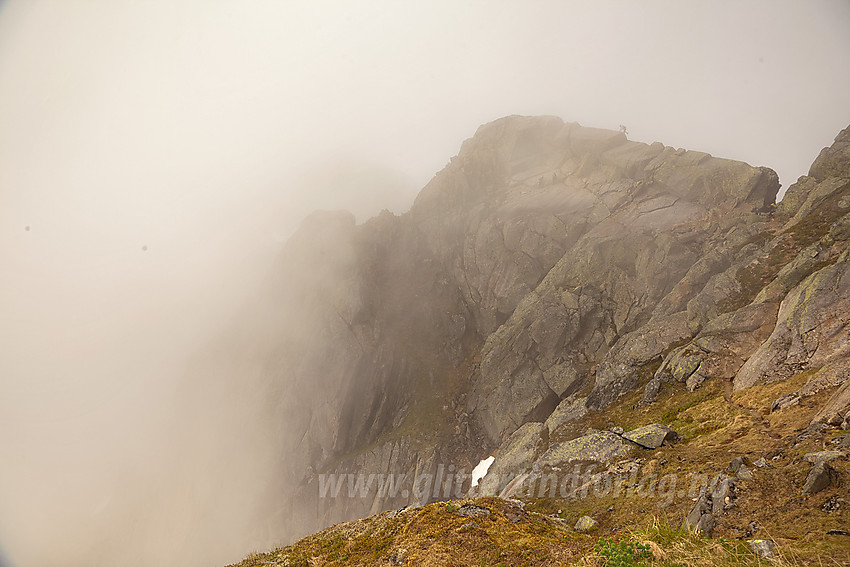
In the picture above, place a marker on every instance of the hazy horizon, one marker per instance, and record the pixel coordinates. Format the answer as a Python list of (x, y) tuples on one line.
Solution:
[(155, 155)]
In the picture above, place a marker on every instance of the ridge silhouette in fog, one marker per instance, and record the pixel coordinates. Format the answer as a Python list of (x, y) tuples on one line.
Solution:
[(160, 155)]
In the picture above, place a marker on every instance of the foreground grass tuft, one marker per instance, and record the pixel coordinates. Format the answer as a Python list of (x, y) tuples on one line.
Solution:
[(436, 535), (623, 553)]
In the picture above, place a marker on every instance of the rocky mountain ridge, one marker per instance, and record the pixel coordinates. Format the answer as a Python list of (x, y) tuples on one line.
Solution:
[(548, 270)]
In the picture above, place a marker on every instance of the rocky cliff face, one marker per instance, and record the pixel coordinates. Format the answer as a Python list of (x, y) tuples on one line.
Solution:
[(546, 262)]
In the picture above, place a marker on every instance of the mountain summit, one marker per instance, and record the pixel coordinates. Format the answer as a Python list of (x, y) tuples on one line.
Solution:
[(549, 278)]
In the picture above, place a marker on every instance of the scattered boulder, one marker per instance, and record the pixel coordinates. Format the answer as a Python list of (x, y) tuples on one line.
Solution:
[(651, 436), (752, 527), (513, 516), (712, 502), (721, 496), (699, 518), (617, 429), (473, 511), (837, 532), (748, 532), (785, 402), (736, 463), (402, 510), (812, 430), (739, 466), (762, 463), (833, 504), (652, 389), (705, 524), (763, 548), (822, 456), (585, 524), (821, 476)]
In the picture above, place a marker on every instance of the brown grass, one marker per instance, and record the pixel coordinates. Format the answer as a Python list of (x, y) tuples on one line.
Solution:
[(714, 431)]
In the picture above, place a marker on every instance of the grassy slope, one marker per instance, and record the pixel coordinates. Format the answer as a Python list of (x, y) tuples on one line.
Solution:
[(436, 535), (714, 432)]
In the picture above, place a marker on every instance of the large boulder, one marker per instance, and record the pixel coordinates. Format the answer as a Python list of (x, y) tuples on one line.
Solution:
[(823, 456), (820, 476), (651, 436), (700, 518), (595, 447), (585, 524)]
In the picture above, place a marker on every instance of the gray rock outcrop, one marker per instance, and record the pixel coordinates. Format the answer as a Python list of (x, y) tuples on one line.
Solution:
[(521, 449), (820, 476), (711, 503), (823, 456), (811, 328), (585, 524), (651, 436), (763, 548), (597, 447), (548, 269), (570, 409)]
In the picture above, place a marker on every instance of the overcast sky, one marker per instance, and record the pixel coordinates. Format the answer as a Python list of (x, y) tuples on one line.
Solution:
[(154, 154)]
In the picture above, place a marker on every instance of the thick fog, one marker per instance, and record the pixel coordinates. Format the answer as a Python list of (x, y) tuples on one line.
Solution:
[(154, 156)]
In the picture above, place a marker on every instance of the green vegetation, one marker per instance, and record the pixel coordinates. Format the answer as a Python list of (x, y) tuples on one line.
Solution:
[(662, 546), (623, 553), (429, 537), (634, 529)]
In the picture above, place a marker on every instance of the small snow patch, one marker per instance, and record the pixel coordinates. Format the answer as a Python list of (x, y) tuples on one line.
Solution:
[(480, 470)]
